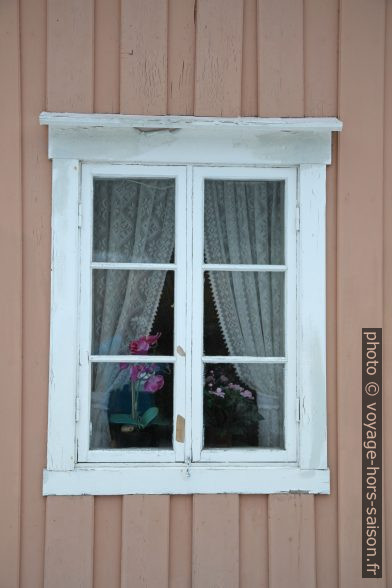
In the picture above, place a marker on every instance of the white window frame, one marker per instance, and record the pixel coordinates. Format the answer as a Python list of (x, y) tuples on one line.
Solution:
[(190, 149), (89, 172)]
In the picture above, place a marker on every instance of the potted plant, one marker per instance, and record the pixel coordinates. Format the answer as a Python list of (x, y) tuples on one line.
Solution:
[(231, 415), (144, 379)]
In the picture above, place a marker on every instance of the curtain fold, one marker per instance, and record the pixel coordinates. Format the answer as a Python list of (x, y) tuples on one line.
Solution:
[(243, 224), (133, 222)]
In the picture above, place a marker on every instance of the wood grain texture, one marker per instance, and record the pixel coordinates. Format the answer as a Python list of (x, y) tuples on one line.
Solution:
[(219, 31), (36, 289), (360, 222), (144, 56), (249, 84), (70, 54), (280, 58), (145, 542), (11, 294), (387, 332), (181, 56), (215, 556), (291, 541), (107, 56), (180, 552), (253, 541), (321, 34), (107, 541), (69, 542)]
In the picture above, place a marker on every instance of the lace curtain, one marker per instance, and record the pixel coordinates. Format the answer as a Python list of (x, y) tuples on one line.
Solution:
[(243, 224), (133, 222)]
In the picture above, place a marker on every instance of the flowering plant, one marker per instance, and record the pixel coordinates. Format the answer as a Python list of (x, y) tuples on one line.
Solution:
[(143, 377), (229, 408)]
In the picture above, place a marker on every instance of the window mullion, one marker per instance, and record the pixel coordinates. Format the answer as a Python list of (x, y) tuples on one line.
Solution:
[(197, 307), (179, 404)]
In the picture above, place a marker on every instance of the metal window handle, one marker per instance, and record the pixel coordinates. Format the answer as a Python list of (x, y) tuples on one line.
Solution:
[(180, 351)]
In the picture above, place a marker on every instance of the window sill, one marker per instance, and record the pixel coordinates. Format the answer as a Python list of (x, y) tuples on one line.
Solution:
[(179, 479)]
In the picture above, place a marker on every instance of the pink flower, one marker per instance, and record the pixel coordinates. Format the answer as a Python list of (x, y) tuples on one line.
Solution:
[(142, 345), (139, 346), (136, 370), (124, 366), (154, 383), (218, 392), (247, 394)]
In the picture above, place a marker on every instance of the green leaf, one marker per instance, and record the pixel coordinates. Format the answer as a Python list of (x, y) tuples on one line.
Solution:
[(147, 418), (122, 419)]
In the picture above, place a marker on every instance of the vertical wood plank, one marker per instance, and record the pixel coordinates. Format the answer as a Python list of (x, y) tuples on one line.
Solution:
[(69, 542), (181, 56), (326, 507), (144, 56), (107, 509), (321, 36), (218, 57), (215, 541), (249, 60), (281, 93), (180, 549), (145, 542), (69, 520), (280, 58), (107, 56), (36, 289), (107, 541), (70, 55), (321, 32), (11, 293), (360, 244), (387, 335), (253, 541), (291, 541)]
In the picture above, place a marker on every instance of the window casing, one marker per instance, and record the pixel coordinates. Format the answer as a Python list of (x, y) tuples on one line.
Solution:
[(300, 464)]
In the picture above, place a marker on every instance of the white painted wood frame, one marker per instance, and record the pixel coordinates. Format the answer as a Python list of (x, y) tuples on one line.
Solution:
[(289, 453), (179, 267), (188, 148)]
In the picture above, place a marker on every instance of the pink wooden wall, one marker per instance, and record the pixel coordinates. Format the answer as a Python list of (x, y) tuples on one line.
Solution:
[(210, 57)]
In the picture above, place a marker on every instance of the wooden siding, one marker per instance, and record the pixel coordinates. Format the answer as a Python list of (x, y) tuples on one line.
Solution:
[(203, 57)]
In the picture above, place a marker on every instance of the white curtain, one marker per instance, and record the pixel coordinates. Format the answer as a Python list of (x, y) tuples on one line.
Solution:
[(133, 222), (243, 224)]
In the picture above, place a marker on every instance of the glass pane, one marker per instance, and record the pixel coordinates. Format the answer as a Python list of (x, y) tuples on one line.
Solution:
[(131, 405), (243, 405), (244, 313), (244, 222), (133, 220), (130, 305)]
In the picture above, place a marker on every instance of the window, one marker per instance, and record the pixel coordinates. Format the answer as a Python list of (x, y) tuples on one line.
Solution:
[(188, 305)]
